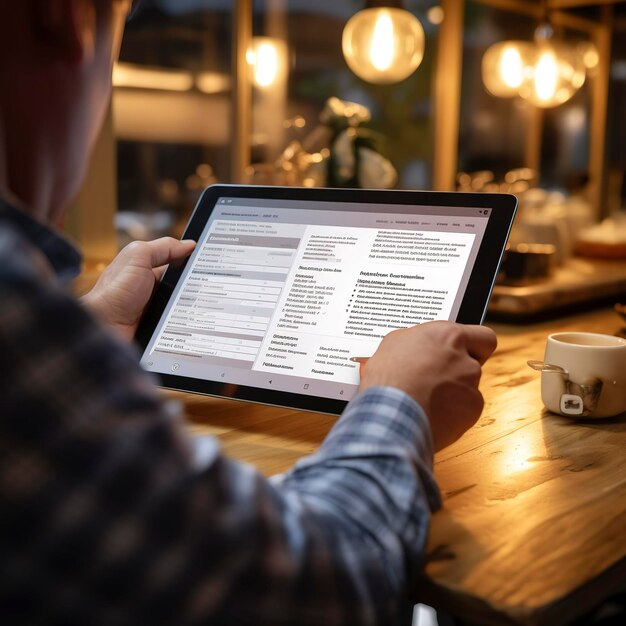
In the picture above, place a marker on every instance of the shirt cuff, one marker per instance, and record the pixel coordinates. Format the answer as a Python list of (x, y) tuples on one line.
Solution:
[(389, 417)]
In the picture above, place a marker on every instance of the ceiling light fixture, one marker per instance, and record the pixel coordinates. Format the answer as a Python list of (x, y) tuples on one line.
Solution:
[(383, 43), (546, 72), (268, 58), (503, 67), (556, 73)]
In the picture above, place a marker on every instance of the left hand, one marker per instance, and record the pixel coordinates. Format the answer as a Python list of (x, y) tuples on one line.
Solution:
[(126, 285)]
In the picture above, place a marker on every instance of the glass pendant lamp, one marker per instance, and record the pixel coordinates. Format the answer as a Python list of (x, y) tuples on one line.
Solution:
[(383, 43), (556, 73), (503, 67)]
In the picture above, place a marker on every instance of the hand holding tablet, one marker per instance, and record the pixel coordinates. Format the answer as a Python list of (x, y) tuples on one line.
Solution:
[(286, 285)]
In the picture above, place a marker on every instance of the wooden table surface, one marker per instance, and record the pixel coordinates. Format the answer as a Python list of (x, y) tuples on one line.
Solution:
[(533, 526)]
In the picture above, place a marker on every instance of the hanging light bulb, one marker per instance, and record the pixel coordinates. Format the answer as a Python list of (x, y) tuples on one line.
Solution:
[(503, 67), (383, 43), (546, 76), (267, 58), (556, 73)]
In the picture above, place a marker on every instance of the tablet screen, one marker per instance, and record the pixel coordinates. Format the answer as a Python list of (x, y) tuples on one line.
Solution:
[(281, 294)]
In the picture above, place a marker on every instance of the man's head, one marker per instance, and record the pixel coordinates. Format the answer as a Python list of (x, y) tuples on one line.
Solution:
[(55, 70)]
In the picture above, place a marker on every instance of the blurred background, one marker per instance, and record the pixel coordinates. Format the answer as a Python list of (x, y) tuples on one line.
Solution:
[(184, 114)]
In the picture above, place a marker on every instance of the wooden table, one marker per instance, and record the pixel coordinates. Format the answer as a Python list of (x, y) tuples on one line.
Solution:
[(533, 527)]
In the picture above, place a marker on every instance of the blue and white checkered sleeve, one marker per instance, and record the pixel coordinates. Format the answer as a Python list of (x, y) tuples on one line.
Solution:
[(373, 478), (109, 517)]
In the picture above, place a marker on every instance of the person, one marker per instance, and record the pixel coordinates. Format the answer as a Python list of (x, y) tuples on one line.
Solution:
[(109, 514)]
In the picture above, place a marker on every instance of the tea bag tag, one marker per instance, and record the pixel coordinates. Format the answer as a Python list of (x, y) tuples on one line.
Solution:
[(580, 399), (571, 404)]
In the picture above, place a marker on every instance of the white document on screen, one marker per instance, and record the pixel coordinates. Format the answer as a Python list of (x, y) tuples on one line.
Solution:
[(348, 287)]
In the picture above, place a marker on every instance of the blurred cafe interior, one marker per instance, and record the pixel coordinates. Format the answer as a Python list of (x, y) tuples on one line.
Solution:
[(520, 96)]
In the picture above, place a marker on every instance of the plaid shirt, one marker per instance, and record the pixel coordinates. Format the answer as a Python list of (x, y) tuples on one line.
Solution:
[(109, 514)]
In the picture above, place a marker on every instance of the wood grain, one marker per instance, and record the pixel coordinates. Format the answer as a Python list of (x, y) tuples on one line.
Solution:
[(534, 520), (533, 527)]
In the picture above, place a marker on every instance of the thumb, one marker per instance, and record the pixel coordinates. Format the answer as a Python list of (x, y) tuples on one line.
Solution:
[(182, 249), (168, 249)]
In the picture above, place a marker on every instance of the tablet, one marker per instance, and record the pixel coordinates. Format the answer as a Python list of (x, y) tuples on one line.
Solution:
[(287, 285)]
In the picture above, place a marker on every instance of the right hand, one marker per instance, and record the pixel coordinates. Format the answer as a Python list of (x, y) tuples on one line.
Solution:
[(438, 364)]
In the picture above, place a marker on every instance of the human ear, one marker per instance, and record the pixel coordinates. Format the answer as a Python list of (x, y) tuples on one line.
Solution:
[(67, 28)]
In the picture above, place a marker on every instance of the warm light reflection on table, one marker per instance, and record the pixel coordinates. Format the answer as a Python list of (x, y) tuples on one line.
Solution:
[(520, 454), (533, 528)]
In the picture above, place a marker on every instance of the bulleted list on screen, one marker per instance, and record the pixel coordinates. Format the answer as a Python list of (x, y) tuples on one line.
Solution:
[(350, 287)]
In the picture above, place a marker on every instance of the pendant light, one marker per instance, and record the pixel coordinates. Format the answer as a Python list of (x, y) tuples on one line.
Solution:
[(546, 72), (503, 67), (383, 43), (556, 73), (267, 58)]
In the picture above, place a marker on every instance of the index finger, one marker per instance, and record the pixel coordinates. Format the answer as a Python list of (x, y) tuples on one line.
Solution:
[(481, 342)]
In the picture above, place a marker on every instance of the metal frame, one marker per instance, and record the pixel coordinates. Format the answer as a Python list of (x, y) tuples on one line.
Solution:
[(447, 98), (598, 174), (241, 124), (448, 90)]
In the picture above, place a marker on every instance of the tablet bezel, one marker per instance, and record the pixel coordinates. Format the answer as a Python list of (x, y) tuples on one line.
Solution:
[(473, 307)]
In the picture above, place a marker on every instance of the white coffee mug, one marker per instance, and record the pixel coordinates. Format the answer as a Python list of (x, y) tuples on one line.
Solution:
[(595, 383)]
